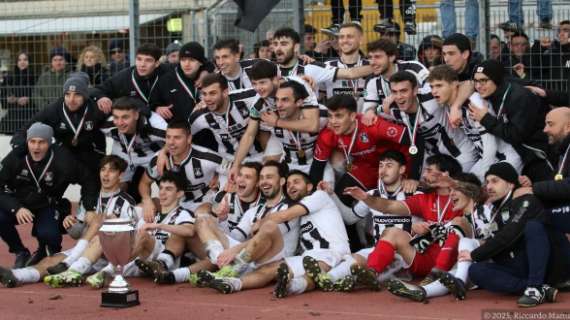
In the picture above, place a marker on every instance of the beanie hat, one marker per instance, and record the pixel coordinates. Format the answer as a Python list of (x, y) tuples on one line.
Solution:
[(492, 69), (173, 47), (505, 171), (59, 51), (193, 50), (77, 82), (40, 130)]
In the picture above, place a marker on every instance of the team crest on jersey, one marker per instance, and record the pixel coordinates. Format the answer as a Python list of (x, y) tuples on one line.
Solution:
[(88, 125), (133, 93), (364, 137), (198, 172), (62, 125), (392, 132), (24, 172), (49, 177)]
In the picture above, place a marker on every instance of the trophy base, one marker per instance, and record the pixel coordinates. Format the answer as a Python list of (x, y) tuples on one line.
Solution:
[(120, 300)]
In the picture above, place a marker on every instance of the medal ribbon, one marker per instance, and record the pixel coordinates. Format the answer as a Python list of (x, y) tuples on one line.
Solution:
[(38, 180)]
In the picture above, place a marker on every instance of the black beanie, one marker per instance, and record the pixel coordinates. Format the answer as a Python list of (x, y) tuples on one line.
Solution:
[(505, 171), (193, 50), (492, 69)]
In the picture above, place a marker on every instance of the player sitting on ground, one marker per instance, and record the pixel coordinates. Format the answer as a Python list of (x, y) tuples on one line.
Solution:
[(111, 201), (323, 237), (229, 207), (151, 238), (348, 274), (466, 196), (263, 240), (434, 208)]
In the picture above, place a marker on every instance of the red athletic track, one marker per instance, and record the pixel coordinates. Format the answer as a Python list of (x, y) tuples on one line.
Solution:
[(184, 302)]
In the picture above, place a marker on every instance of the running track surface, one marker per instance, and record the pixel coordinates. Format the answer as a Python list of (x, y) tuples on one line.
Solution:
[(37, 301)]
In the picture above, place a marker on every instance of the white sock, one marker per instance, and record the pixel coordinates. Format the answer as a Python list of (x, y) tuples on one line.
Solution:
[(181, 275), (81, 265), (76, 251), (27, 275), (235, 283), (108, 269), (435, 289), (342, 269), (214, 248), (241, 263), (463, 266), (297, 285), (167, 259)]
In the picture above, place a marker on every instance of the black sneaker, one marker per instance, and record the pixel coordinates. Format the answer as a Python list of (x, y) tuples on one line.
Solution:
[(331, 30), (150, 268), (365, 277), (385, 25), (204, 278), (58, 268), (410, 28), (510, 26), (532, 297), (550, 293), (7, 278), (37, 257), (283, 279), (406, 290), (455, 285), (21, 259), (165, 277)]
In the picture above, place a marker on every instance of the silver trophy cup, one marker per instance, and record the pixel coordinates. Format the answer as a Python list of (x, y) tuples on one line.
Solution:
[(117, 238)]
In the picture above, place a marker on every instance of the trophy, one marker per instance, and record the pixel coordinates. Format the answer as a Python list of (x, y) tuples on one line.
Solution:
[(117, 238)]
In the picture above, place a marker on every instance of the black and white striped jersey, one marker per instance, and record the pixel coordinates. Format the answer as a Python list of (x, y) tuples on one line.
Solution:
[(438, 135), (380, 220), (316, 70), (177, 216), (294, 142), (236, 208), (289, 229), (377, 87), (198, 168), (228, 128), (114, 205), (353, 88), (242, 80), (138, 149)]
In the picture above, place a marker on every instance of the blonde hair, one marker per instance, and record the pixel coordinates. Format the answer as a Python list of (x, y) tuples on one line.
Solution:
[(99, 56)]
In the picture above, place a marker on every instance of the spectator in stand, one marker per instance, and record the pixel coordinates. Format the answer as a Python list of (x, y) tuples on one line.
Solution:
[(553, 56), (337, 9), (519, 59), (324, 50), (172, 52), (516, 16), (119, 59), (386, 10), (49, 84), (448, 18), (405, 51), (16, 95), (92, 61), (262, 50), (496, 47), (429, 51)]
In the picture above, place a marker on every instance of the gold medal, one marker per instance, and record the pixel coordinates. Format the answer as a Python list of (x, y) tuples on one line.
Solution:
[(74, 142), (301, 153), (558, 177), (349, 167)]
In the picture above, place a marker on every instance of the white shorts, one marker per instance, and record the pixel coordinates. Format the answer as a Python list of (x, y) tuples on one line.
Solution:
[(330, 257)]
